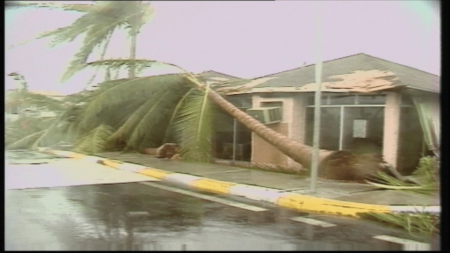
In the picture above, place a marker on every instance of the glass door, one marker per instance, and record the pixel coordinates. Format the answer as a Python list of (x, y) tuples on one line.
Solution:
[(363, 129), (329, 127)]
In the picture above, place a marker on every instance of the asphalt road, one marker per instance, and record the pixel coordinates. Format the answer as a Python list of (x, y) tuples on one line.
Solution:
[(156, 216)]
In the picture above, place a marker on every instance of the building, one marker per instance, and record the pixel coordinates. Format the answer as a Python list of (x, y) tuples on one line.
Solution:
[(369, 105), (51, 94), (14, 107)]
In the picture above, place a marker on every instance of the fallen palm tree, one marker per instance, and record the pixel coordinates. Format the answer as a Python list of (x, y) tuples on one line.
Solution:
[(333, 164), (422, 181)]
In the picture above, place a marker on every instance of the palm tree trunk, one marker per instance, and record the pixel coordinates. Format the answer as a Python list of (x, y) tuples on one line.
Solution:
[(342, 165), (298, 152), (102, 57), (132, 70)]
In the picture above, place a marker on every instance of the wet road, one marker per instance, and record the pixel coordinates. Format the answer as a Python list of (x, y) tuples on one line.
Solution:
[(140, 216)]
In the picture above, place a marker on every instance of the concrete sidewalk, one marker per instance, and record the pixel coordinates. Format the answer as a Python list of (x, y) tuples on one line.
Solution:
[(290, 191), (345, 191)]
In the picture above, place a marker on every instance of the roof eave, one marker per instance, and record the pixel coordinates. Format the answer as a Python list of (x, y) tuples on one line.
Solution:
[(423, 89)]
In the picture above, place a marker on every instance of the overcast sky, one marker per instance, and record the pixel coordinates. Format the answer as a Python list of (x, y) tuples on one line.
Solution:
[(243, 39)]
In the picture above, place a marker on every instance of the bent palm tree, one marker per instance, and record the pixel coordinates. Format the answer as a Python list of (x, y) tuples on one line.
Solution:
[(98, 23)]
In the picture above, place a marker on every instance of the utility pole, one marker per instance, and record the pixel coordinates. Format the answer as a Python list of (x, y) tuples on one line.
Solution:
[(318, 100), (234, 139)]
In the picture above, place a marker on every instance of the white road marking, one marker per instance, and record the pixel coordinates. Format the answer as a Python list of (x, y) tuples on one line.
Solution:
[(210, 198), (66, 172), (131, 167), (407, 244), (313, 222), (256, 193), (181, 178)]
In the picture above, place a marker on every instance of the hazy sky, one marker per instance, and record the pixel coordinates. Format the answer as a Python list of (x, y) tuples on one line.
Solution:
[(244, 39)]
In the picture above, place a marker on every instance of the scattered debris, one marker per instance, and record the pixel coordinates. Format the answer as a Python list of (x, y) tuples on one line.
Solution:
[(137, 214)]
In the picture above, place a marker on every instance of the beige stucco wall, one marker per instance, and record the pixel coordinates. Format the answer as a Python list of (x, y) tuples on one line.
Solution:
[(391, 127), (292, 125), (297, 122)]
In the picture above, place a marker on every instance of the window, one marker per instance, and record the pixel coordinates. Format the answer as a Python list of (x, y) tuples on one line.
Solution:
[(371, 99), (272, 104), (329, 128), (342, 99), (311, 100), (363, 129), (337, 99), (406, 100), (241, 102)]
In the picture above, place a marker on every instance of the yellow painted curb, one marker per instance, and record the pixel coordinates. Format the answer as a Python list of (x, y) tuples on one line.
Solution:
[(160, 174), (66, 154), (328, 206), (76, 155), (111, 163), (289, 200), (60, 153), (212, 185)]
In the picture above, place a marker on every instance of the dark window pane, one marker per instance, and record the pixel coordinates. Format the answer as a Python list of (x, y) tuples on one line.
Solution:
[(241, 102), (371, 99), (272, 104), (311, 100), (406, 100), (411, 141), (342, 100), (329, 125)]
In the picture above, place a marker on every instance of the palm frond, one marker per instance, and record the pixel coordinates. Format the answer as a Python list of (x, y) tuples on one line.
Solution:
[(425, 170), (94, 141), (153, 126), (66, 7), (154, 106), (95, 36), (388, 182), (27, 141), (417, 222), (194, 127), (122, 91), (114, 15), (102, 56), (126, 64), (144, 12), (422, 181), (175, 114), (97, 25)]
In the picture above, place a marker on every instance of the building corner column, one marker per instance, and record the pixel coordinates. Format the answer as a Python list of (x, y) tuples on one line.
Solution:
[(256, 102), (391, 131)]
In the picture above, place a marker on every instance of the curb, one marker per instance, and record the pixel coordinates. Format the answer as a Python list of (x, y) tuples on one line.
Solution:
[(294, 201)]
